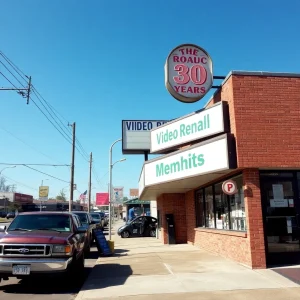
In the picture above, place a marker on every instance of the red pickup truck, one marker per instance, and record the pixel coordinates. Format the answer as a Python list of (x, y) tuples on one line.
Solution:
[(39, 243)]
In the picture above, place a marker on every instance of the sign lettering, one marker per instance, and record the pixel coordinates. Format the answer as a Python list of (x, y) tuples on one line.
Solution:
[(189, 73)]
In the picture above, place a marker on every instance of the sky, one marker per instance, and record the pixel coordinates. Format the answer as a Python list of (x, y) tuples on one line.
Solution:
[(100, 62)]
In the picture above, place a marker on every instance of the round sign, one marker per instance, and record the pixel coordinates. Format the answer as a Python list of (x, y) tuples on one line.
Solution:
[(229, 187), (188, 73)]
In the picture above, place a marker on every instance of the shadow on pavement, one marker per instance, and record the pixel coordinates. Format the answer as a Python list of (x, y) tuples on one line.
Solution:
[(107, 275), (45, 285)]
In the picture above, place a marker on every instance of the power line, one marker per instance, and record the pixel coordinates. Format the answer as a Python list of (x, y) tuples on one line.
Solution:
[(14, 66), (51, 111), (48, 165), (46, 174), (8, 80), (11, 73), (49, 120), (38, 151), (19, 183), (63, 130), (39, 96)]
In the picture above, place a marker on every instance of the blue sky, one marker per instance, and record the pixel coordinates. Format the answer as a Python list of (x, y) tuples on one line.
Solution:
[(98, 62)]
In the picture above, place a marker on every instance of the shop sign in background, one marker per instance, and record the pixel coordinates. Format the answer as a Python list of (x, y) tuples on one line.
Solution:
[(192, 127), (136, 135), (43, 192), (197, 160)]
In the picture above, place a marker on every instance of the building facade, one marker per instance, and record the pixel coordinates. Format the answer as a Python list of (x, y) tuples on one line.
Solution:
[(258, 147)]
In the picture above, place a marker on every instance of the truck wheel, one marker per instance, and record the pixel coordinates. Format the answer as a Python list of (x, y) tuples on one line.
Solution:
[(76, 271), (125, 234)]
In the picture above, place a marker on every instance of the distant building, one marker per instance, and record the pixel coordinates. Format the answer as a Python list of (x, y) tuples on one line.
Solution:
[(16, 197)]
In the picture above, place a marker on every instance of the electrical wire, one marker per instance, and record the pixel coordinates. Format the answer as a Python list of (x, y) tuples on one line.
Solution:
[(48, 165), (50, 120), (38, 151), (14, 66), (19, 182), (46, 174), (12, 74), (9, 81), (64, 130), (82, 152)]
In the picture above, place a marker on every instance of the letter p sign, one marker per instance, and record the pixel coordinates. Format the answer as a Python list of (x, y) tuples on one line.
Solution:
[(229, 187)]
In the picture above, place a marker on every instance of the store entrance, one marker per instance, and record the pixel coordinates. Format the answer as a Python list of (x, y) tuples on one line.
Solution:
[(281, 205)]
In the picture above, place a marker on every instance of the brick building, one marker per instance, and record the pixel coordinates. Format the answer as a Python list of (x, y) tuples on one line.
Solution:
[(258, 147)]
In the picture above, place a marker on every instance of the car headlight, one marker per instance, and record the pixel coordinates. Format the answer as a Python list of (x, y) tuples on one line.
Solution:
[(61, 249)]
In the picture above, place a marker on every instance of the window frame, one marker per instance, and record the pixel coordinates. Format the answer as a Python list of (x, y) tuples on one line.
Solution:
[(227, 197)]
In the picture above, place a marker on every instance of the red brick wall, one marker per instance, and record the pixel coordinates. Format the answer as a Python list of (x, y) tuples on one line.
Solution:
[(173, 204), (264, 116), (255, 228), (233, 247), (249, 249)]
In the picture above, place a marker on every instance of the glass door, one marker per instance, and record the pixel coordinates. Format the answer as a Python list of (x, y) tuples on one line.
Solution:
[(281, 206)]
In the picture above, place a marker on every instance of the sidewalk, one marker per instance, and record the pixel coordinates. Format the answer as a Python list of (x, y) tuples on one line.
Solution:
[(143, 268)]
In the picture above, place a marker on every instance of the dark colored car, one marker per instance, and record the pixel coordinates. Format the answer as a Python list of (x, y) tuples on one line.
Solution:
[(87, 222), (40, 243), (10, 215), (104, 217), (138, 227), (3, 214), (98, 218)]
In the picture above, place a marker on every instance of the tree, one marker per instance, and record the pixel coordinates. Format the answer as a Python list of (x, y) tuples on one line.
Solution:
[(61, 196), (4, 187)]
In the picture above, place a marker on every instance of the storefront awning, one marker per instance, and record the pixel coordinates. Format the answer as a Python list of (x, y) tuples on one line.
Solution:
[(187, 169)]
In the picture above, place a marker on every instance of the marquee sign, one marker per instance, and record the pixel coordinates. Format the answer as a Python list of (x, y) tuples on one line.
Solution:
[(188, 73), (136, 135)]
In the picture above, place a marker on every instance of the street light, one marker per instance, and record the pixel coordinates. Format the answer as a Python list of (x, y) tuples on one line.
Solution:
[(113, 208), (39, 195), (6, 168), (110, 181)]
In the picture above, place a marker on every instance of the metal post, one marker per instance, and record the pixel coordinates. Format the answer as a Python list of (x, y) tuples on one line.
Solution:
[(72, 169), (110, 183), (41, 199), (90, 183)]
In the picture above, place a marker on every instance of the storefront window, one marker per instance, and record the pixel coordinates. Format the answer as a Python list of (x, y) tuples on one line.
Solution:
[(209, 208), (200, 209), (222, 212), (214, 209), (237, 207)]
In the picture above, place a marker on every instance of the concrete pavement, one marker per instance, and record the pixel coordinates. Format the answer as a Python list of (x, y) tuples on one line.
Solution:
[(143, 267)]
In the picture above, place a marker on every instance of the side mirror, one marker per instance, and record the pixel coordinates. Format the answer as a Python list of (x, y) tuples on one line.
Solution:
[(2, 228), (81, 229)]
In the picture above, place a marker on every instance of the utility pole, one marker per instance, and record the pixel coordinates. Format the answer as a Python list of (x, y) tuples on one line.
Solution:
[(72, 168), (21, 91), (90, 182)]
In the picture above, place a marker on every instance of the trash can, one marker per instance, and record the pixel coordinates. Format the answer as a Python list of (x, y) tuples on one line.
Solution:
[(170, 229), (111, 245)]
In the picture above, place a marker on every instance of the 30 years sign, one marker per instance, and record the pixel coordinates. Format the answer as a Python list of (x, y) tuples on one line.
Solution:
[(188, 73)]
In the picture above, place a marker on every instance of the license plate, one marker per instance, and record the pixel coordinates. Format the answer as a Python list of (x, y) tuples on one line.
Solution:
[(21, 270)]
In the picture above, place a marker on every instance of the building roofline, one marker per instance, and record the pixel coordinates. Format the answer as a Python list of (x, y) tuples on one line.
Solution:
[(253, 73)]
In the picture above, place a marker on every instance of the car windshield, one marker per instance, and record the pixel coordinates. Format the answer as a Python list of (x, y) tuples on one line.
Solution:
[(95, 216), (83, 217), (41, 222)]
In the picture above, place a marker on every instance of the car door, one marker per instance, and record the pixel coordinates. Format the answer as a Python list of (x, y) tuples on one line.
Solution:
[(136, 225), (79, 238)]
